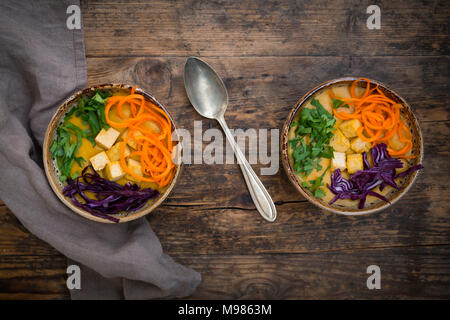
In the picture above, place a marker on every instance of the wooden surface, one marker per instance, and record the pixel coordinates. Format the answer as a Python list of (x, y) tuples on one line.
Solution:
[(269, 54)]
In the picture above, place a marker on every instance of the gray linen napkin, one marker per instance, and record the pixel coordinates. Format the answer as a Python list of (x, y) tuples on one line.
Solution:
[(41, 63)]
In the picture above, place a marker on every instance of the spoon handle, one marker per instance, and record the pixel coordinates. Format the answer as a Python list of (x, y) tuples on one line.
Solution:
[(263, 202)]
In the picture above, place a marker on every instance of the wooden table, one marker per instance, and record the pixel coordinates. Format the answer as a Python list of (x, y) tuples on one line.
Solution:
[(270, 54)]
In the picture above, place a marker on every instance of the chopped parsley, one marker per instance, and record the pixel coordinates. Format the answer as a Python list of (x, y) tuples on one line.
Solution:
[(92, 111), (69, 136), (315, 185), (318, 125), (339, 103)]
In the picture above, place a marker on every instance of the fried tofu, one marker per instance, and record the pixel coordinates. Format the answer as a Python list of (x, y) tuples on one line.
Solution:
[(339, 142), (106, 138), (339, 161), (360, 146), (338, 123), (151, 125), (354, 162), (395, 142), (134, 166), (99, 161), (349, 127), (114, 152), (114, 171), (131, 142)]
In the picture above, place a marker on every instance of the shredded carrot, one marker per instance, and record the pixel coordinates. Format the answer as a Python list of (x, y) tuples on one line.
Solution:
[(379, 116), (153, 148)]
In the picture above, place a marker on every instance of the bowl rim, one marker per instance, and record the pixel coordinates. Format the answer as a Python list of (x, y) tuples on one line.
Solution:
[(289, 170), (62, 109)]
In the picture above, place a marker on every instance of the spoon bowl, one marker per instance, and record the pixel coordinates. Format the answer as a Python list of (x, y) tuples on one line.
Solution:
[(205, 89)]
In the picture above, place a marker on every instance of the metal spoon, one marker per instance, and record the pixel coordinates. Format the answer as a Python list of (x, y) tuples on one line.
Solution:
[(209, 97)]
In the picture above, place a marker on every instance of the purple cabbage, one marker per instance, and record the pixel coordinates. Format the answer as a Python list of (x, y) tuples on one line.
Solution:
[(362, 182), (110, 197)]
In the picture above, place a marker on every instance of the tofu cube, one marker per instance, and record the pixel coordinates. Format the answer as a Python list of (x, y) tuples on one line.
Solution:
[(152, 126), (114, 171), (349, 127), (123, 134), (114, 153), (106, 138), (360, 146), (134, 166), (339, 161), (338, 123), (395, 142), (354, 162), (132, 143), (339, 142), (99, 161)]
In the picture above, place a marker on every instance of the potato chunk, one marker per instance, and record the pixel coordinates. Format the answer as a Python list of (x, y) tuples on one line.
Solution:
[(339, 161), (114, 153), (99, 161), (106, 138), (360, 146), (114, 171), (136, 167), (354, 162), (339, 142), (349, 127)]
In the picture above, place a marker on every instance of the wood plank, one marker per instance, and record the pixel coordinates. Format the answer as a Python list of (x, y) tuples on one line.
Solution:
[(406, 273), (263, 90), (248, 28), (33, 277)]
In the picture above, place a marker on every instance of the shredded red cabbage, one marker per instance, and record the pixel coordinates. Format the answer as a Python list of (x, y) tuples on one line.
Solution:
[(110, 197), (362, 182)]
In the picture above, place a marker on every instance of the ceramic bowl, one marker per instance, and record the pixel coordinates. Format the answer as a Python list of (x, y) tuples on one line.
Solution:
[(404, 185), (52, 176)]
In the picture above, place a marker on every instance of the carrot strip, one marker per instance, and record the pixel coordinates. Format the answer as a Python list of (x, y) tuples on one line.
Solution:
[(379, 115), (152, 147)]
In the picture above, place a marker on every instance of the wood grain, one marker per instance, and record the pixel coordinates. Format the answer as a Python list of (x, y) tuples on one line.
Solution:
[(271, 86), (414, 273), (267, 28), (270, 54)]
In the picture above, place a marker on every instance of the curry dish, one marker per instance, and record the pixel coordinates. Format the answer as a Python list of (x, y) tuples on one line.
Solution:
[(350, 145)]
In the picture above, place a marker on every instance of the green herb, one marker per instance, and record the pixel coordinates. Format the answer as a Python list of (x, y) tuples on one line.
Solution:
[(92, 111), (69, 136), (319, 193), (339, 103), (64, 148), (315, 185), (318, 124)]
